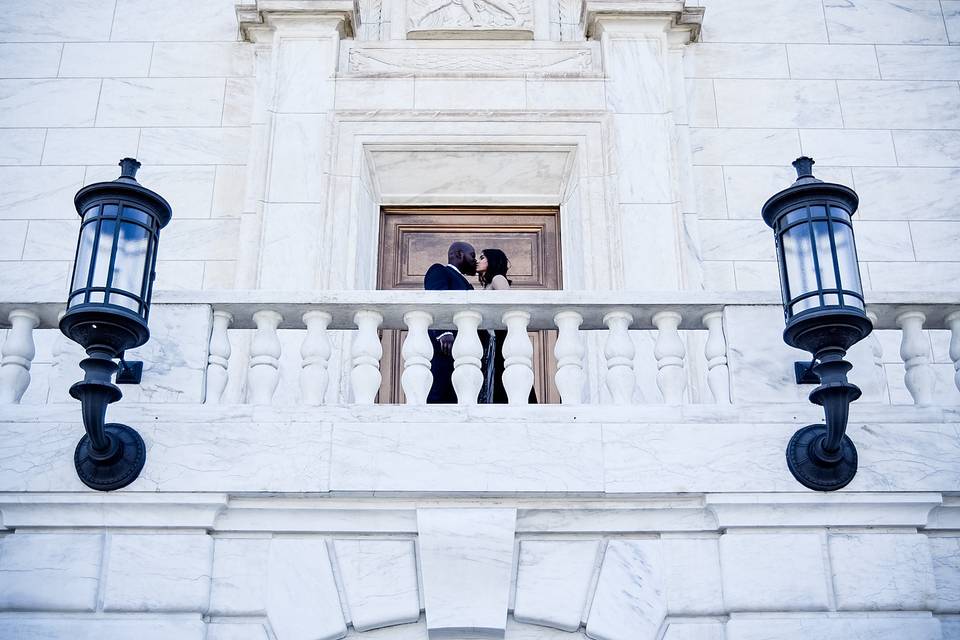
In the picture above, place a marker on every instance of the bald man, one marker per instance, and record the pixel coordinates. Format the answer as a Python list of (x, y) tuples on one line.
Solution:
[(461, 261)]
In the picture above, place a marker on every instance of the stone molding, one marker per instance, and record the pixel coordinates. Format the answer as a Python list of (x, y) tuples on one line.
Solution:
[(261, 14), (681, 17)]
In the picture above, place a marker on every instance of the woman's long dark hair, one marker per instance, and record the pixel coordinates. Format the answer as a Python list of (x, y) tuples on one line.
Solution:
[(497, 265)]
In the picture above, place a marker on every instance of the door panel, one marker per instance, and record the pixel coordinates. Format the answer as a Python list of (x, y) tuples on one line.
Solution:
[(413, 238)]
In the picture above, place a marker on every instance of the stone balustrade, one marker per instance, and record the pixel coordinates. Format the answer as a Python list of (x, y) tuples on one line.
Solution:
[(573, 314)]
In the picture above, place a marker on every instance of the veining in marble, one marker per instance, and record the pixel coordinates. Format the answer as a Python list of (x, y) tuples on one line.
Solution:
[(630, 599), (553, 582), (466, 559), (379, 579)]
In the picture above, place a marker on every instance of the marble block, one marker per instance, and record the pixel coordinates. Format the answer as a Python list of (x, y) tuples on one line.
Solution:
[(466, 560), (48, 102), (885, 21), (725, 60), (630, 601), (240, 569), (833, 61), (240, 631), (176, 20), (105, 59), (40, 627), (29, 59), (875, 571), (915, 627), (743, 146), (919, 62), (202, 59), (928, 148), (158, 572), (692, 576), (945, 552), (194, 145), (52, 21), (39, 193), (796, 21), (175, 357), (50, 571), (161, 102), (778, 103), (553, 582), (695, 631), (951, 14), (908, 193), (465, 457), (379, 579), (774, 572), (302, 601), (94, 146), (899, 104)]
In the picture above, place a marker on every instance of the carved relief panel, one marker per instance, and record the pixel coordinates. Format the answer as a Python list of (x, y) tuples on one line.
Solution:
[(470, 19)]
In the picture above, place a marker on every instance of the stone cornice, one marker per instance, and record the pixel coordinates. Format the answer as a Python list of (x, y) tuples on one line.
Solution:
[(258, 15), (681, 16)]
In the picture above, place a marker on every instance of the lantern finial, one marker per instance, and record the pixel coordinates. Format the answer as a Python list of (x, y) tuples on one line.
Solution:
[(804, 167), (128, 169)]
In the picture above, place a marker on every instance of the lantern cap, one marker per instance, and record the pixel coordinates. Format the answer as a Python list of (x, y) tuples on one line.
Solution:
[(804, 167), (128, 170), (125, 187), (808, 189)]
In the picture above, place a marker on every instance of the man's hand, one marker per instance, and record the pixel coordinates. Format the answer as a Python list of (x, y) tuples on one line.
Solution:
[(446, 343)]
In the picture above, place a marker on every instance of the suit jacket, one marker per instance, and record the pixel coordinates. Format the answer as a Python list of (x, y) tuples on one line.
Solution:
[(440, 277)]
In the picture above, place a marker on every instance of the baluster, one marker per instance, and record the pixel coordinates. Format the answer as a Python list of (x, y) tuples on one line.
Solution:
[(915, 351), (365, 377), (219, 357), (417, 351), (569, 352), (517, 358), (953, 323), (264, 358), (467, 351), (315, 352), (619, 352), (669, 352), (18, 352), (718, 375)]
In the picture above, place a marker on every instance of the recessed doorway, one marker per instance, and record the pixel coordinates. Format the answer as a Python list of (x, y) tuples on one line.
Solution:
[(413, 238)]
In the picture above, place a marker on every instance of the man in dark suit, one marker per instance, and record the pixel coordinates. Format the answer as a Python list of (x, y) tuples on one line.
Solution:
[(461, 261)]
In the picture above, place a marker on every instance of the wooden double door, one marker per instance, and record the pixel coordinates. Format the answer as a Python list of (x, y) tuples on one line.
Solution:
[(413, 238)]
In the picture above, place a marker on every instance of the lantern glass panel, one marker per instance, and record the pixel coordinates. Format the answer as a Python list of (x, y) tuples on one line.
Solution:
[(124, 301), (828, 276), (81, 269), (130, 213), (795, 216), (798, 263), (107, 233), (129, 265), (847, 259)]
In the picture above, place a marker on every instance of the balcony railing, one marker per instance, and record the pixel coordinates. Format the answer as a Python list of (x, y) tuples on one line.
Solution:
[(573, 314)]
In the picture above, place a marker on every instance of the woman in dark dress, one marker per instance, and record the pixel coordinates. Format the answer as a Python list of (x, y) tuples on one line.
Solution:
[(492, 267)]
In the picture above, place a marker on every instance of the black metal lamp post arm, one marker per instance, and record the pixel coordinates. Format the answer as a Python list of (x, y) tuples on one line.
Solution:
[(822, 456), (109, 456), (834, 394)]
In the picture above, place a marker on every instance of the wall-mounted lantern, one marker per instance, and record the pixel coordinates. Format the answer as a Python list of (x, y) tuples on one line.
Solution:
[(825, 315), (107, 311)]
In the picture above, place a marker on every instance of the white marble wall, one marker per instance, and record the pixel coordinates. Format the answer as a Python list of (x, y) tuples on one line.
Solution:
[(756, 566), (869, 89)]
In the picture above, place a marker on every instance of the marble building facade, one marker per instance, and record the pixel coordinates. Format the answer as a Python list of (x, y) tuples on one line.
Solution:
[(280, 501)]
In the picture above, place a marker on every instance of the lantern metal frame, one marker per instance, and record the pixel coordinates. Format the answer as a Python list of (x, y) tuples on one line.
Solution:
[(821, 456), (111, 455)]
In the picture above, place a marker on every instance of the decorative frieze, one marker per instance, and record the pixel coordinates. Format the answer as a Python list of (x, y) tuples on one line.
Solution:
[(451, 19)]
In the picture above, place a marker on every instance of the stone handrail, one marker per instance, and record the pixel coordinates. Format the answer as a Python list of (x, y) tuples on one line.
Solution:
[(518, 311)]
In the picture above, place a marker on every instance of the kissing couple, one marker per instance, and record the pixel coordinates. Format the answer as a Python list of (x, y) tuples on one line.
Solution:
[(491, 272)]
